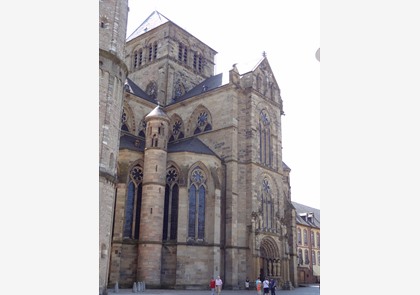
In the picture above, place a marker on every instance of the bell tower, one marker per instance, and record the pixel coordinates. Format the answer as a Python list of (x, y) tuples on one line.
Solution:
[(154, 181)]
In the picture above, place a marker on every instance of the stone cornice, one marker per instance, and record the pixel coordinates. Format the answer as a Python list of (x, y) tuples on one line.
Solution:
[(114, 58)]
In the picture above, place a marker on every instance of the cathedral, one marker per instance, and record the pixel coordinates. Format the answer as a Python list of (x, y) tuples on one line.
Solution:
[(201, 189)]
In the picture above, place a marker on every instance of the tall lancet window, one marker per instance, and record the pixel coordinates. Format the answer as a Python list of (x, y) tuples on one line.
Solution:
[(267, 204), (170, 211), (133, 203), (266, 154), (196, 205)]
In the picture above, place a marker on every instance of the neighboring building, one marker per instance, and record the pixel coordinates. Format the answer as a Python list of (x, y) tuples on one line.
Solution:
[(113, 16), (202, 189), (308, 232)]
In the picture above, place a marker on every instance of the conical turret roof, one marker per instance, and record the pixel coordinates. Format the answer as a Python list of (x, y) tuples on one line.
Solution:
[(158, 112)]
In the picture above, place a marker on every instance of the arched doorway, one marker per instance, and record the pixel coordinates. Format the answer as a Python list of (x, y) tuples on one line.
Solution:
[(270, 259)]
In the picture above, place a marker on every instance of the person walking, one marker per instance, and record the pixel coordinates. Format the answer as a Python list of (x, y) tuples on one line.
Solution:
[(247, 284), (258, 285), (212, 285), (219, 284), (273, 286), (266, 286)]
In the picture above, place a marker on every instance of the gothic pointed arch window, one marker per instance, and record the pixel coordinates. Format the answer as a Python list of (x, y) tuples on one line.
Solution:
[(203, 122), (142, 128), (196, 205), (170, 210), (133, 203), (124, 125), (305, 237), (177, 129), (179, 89), (151, 89), (264, 126), (267, 204)]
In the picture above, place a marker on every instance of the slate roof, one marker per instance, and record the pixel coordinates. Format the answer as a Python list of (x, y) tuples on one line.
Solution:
[(303, 209), (132, 87), (153, 21), (192, 145), (209, 84), (131, 142), (285, 167), (158, 112)]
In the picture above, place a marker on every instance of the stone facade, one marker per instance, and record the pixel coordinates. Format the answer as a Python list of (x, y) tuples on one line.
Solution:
[(112, 74), (201, 189)]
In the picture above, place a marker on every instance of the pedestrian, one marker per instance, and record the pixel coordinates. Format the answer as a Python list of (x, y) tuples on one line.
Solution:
[(258, 285), (247, 284), (273, 286), (219, 284), (212, 285), (266, 286)]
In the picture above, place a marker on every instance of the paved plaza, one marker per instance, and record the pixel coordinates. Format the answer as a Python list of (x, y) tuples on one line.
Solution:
[(304, 290)]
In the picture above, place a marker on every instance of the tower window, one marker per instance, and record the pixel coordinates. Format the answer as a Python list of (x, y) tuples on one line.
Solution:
[(155, 51), (180, 50), (150, 52)]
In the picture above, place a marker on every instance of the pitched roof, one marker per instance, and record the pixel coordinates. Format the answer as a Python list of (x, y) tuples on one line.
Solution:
[(153, 21), (285, 167), (132, 87), (303, 210), (210, 83), (219, 80), (191, 144), (131, 142)]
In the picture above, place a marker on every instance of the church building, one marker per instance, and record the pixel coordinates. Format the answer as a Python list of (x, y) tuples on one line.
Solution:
[(201, 189)]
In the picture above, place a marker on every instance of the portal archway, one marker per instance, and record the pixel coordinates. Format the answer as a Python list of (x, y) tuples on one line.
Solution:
[(270, 258)]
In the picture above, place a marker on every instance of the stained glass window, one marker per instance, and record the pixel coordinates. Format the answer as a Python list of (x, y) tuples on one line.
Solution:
[(203, 123), (170, 212), (197, 203), (133, 203)]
